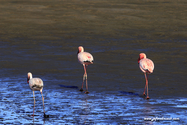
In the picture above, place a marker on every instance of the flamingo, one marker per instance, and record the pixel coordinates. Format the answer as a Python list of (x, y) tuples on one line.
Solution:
[(85, 59), (147, 67), (36, 84)]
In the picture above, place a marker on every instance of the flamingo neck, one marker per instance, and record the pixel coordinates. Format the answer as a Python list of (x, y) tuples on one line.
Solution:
[(80, 49), (29, 76), (141, 56)]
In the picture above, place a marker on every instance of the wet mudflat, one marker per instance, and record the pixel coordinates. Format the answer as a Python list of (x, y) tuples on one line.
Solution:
[(42, 37), (69, 106)]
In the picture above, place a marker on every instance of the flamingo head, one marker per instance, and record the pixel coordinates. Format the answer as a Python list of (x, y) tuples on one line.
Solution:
[(141, 56), (80, 49), (29, 76)]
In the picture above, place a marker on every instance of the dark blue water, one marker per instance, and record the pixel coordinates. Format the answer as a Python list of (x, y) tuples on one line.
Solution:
[(116, 87)]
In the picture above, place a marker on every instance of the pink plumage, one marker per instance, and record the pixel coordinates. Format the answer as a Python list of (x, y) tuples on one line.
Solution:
[(147, 66), (85, 59)]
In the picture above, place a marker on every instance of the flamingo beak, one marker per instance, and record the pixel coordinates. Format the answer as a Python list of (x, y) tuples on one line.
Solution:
[(77, 52), (27, 80), (138, 60)]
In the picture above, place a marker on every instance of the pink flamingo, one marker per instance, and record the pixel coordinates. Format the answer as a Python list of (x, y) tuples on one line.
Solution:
[(36, 84), (85, 59), (147, 66)]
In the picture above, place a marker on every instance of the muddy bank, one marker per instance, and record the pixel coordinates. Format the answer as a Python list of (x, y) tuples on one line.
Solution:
[(54, 20)]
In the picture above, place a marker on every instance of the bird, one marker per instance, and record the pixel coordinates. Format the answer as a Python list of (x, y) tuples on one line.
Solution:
[(36, 84), (85, 59), (147, 66)]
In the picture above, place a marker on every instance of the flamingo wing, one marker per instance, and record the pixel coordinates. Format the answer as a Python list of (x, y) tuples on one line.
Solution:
[(85, 57), (36, 84), (146, 65)]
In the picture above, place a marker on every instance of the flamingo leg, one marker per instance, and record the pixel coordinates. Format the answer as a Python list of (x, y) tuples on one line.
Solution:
[(34, 103), (43, 102), (82, 84), (145, 84), (86, 80), (147, 88), (45, 116), (83, 78)]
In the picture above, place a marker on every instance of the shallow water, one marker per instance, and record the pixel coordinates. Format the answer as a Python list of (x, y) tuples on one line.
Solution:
[(42, 37), (70, 106)]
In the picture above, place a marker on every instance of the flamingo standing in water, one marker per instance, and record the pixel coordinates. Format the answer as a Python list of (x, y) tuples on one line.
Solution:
[(147, 66), (85, 59), (36, 84)]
